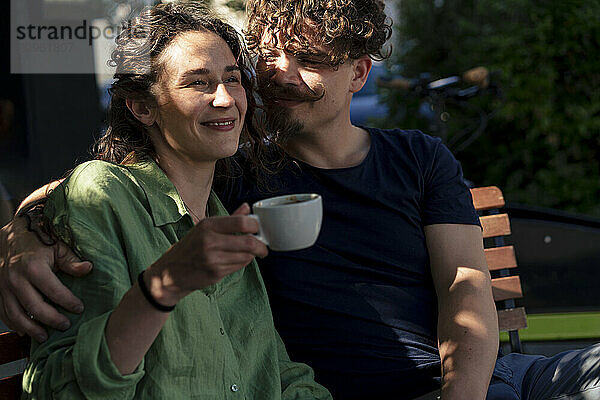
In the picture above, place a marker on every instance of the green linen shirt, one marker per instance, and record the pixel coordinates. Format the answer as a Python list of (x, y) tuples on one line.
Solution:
[(218, 343)]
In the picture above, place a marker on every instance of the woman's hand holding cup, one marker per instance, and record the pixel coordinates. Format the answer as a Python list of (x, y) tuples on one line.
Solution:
[(214, 248)]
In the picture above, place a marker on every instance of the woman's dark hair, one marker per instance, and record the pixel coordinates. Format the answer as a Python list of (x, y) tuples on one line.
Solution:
[(136, 58)]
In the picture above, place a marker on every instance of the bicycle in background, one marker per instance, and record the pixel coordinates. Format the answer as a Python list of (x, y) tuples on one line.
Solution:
[(451, 100)]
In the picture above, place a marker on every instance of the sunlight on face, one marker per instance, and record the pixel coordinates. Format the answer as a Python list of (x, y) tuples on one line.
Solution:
[(201, 100), (297, 79)]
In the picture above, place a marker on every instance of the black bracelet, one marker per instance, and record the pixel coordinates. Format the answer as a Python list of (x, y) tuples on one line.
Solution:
[(149, 297)]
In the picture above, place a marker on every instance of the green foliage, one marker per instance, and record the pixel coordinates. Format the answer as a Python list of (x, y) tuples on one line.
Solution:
[(543, 145)]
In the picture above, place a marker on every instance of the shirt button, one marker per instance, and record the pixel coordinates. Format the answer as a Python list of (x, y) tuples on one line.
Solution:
[(234, 388), (222, 331)]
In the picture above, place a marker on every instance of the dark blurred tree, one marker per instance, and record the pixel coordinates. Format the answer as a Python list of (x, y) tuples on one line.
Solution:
[(543, 145)]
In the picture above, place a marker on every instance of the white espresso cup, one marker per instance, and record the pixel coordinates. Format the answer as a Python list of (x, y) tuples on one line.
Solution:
[(290, 222)]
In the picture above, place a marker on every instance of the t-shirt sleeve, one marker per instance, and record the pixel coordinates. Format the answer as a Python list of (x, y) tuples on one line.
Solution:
[(446, 197), (84, 211)]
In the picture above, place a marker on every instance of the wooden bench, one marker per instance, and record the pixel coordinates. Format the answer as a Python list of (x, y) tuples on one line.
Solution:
[(501, 260), (12, 348)]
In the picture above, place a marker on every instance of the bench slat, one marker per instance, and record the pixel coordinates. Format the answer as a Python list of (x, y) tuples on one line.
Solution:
[(500, 257), (495, 225), (512, 319), (506, 288), (11, 387), (486, 198)]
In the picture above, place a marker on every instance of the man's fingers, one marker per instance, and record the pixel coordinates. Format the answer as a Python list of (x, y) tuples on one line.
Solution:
[(49, 284), (21, 322), (77, 269), (32, 303), (43, 312), (69, 263)]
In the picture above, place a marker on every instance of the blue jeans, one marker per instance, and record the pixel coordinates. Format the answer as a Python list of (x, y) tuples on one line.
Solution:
[(571, 375)]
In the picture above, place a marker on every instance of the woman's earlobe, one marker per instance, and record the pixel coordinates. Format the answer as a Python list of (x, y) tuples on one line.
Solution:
[(142, 111)]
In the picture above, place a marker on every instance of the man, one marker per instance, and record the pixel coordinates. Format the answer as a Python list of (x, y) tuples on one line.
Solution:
[(394, 300)]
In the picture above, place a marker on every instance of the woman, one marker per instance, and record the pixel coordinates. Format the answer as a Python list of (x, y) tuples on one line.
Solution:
[(175, 305)]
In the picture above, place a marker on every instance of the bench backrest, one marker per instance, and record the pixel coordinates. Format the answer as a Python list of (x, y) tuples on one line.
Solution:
[(501, 260)]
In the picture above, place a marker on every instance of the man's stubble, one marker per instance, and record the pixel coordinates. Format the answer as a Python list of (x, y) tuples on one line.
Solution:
[(281, 124), (278, 119)]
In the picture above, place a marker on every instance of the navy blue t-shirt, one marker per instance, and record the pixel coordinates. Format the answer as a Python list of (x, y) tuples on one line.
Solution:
[(359, 306)]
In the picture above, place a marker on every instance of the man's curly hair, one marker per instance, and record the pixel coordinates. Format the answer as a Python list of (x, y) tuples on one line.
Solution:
[(346, 28)]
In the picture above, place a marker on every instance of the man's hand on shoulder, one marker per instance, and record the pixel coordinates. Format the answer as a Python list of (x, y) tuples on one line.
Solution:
[(27, 276)]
